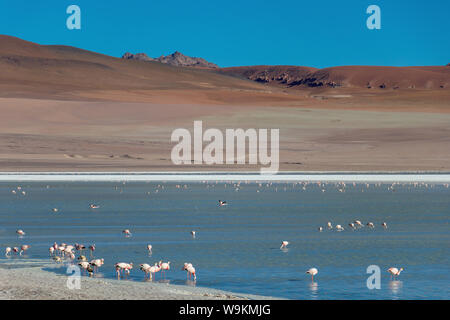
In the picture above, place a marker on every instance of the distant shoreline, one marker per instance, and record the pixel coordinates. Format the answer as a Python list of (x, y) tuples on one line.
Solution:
[(386, 177)]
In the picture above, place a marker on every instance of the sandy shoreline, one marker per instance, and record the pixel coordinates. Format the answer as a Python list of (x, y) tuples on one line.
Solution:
[(34, 280)]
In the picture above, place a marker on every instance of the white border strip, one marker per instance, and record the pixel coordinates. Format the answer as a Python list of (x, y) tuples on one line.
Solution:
[(202, 176)]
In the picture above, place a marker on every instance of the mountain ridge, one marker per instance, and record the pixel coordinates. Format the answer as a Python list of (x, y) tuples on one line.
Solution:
[(175, 59)]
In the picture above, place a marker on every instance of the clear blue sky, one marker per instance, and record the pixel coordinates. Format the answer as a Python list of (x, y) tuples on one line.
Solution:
[(317, 33)]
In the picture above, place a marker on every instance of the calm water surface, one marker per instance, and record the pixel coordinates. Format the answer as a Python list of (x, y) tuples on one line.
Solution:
[(237, 247)]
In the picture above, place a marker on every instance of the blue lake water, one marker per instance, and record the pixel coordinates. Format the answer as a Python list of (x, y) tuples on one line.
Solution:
[(237, 247)]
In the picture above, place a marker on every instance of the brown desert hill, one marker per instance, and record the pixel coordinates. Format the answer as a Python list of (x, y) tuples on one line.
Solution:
[(52, 71), (433, 77), (68, 73)]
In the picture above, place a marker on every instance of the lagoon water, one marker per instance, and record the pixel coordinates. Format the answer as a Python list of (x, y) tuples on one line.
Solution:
[(237, 247)]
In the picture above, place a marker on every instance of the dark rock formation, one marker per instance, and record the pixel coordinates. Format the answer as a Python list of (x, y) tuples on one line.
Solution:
[(179, 59), (137, 56), (174, 59)]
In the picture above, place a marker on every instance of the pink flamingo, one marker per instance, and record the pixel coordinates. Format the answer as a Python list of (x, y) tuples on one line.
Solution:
[(97, 263), (84, 265), (312, 272), (91, 249), (153, 270), (165, 266), (394, 272), (146, 268), (24, 248), (189, 268), (126, 267), (20, 232), (80, 247), (222, 203)]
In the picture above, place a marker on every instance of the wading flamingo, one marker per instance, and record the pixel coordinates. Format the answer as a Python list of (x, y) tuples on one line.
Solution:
[(185, 266), (84, 266), (190, 270), (24, 248), (61, 250), (312, 272), (153, 270), (394, 272), (80, 247), (146, 268), (97, 263), (126, 267), (91, 249), (82, 258), (284, 244), (222, 203), (358, 223), (165, 266)]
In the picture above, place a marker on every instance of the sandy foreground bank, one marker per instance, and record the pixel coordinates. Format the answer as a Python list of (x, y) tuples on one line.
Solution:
[(34, 280)]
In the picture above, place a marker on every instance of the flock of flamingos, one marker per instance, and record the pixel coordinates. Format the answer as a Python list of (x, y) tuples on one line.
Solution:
[(63, 251)]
